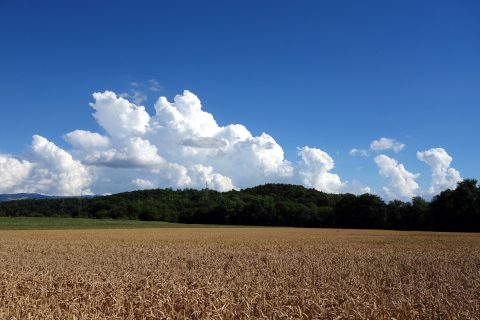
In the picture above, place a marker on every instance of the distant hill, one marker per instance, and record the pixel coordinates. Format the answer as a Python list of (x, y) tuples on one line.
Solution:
[(22, 196)]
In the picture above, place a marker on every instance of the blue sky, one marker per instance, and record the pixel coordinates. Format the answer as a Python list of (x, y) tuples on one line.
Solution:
[(331, 75)]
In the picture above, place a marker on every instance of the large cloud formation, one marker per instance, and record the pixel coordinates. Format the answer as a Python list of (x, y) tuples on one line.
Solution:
[(179, 146), (182, 146), (443, 177)]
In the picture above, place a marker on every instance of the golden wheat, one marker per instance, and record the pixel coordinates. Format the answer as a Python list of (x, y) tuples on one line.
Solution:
[(238, 273)]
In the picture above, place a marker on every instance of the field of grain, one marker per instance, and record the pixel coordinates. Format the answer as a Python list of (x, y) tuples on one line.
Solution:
[(230, 273)]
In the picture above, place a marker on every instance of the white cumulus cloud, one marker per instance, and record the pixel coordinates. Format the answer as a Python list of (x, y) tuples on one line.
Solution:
[(355, 187), (132, 152), (203, 176), (188, 135), (87, 140), (118, 116), (443, 177), (386, 144), (403, 183), (12, 173), (314, 170), (51, 170), (143, 183), (56, 172)]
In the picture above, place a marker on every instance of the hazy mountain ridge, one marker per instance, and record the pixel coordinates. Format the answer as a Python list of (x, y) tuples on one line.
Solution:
[(34, 196), (23, 196)]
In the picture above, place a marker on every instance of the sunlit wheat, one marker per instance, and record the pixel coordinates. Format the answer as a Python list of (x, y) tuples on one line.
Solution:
[(249, 273)]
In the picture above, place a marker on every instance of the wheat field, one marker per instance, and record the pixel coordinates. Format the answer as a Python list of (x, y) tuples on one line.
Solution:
[(238, 273)]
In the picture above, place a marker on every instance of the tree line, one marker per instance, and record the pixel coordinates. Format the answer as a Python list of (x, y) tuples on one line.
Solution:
[(270, 205)]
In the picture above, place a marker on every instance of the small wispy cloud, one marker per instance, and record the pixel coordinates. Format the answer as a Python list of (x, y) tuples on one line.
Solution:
[(134, 94), (381, 144), (358, 152), (154, 85), (386, 144)]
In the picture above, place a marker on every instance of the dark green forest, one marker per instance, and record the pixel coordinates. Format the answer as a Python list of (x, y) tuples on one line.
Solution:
[(270, 205)]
